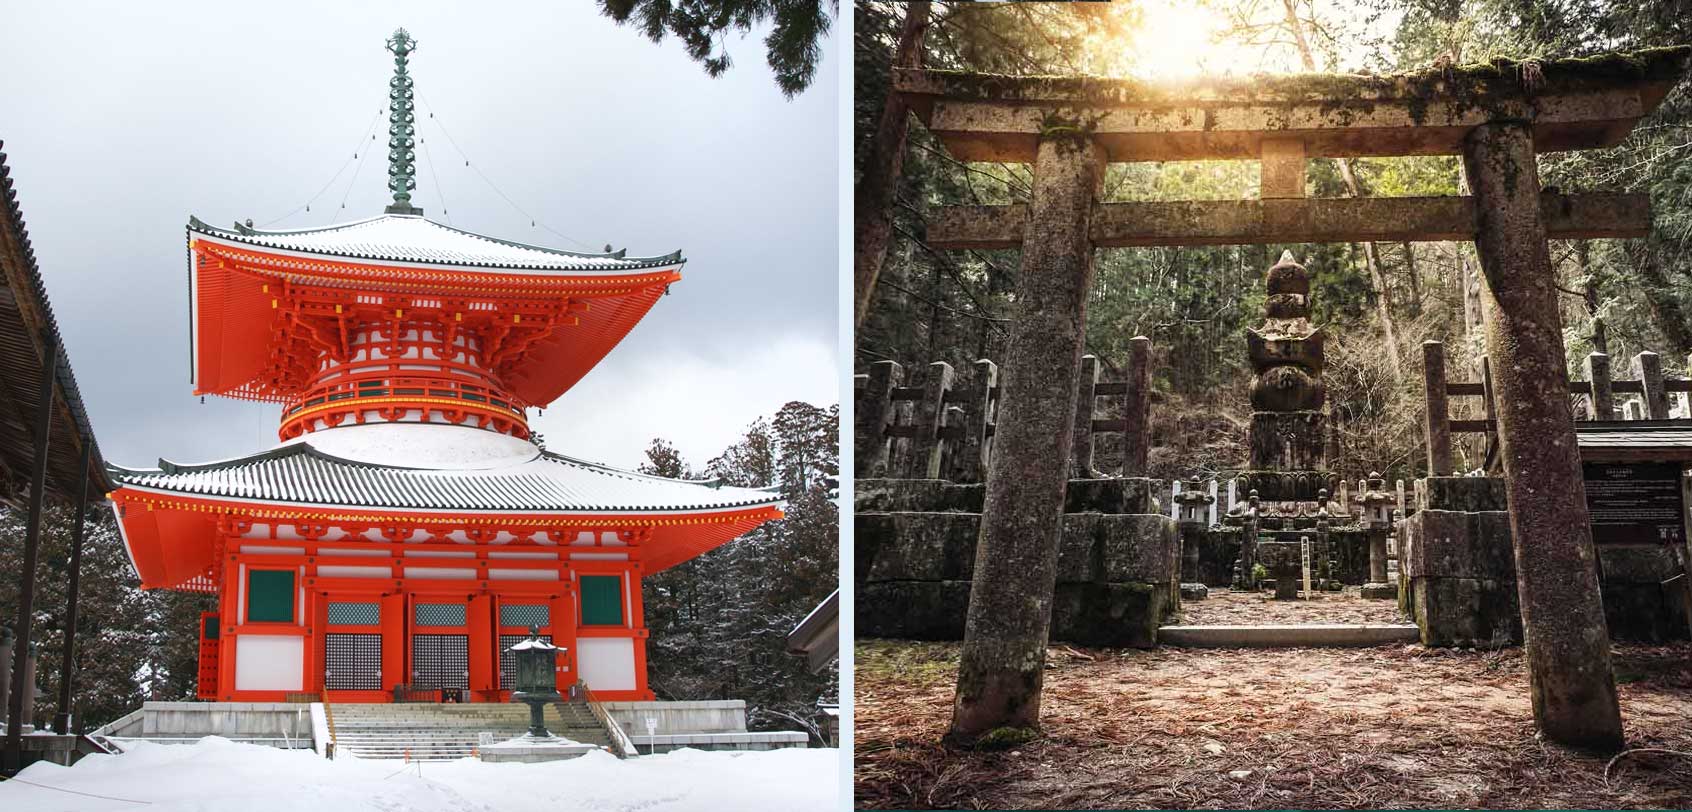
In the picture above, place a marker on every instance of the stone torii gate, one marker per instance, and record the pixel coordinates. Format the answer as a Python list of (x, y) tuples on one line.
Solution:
[(1497, 116)]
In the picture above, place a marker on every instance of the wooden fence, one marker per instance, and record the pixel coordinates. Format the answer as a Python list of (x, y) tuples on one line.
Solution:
[(1654, 391), (943, 429)]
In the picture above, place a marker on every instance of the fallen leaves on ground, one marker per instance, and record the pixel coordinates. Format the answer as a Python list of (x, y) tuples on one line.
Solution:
[(1387, 727)]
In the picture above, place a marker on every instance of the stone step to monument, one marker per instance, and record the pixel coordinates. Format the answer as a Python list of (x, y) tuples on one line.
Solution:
[(1324, 635)]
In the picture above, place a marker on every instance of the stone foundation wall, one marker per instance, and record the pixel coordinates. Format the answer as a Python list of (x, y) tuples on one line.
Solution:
[(1458, 573), (1117, 574), (1459, 578), (1644, 593)]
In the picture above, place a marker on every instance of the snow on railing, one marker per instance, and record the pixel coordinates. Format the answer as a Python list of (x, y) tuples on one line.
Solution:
[(622, 745)]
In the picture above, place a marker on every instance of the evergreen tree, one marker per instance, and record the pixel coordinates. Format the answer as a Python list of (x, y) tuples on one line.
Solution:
[(720, 621), (791, 48), (120, 626)]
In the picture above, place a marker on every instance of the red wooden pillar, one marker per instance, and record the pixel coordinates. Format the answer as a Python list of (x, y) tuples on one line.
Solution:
[(315, 612), (637, 622), (230, 614), (562, 611), (393, 642), (484, 650)]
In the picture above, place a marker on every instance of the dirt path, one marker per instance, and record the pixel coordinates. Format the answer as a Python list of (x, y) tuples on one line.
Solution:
[(1225, 607), (1391, 727)]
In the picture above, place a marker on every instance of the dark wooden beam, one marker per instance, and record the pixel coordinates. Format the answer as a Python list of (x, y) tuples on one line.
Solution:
[(11, 753), (1324, 220), (63, 721)]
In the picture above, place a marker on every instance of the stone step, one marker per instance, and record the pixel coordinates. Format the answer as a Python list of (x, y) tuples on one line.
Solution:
[(1325, 635), (443, 732), (364, 738)]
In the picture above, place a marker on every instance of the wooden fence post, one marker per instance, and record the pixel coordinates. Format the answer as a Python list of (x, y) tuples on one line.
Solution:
[(1086, 397), (952, 431), (1491, 413), (1136, 429), (1601, 404), (1438, 428), (874, 413), (1649, 367), (926, 442), (969, 460)]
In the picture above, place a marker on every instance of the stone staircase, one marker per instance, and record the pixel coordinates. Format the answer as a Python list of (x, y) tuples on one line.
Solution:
[(444, 732)]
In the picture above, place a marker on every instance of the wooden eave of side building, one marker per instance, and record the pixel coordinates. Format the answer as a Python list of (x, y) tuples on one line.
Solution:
[(26, 326), (1627, 441), (1578, 103), (817, 637)]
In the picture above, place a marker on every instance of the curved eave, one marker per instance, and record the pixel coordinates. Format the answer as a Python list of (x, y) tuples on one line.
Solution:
[(567, 262), (526, 515), (173, 537), (234, 317)]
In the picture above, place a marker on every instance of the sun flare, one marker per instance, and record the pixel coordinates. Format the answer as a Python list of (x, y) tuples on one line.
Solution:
[(1167, 40)]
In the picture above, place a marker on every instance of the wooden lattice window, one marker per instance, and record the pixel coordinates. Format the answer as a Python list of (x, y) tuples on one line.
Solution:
[(440, 660), (354, 614), (525, 614), (352, 662), (440, 614)]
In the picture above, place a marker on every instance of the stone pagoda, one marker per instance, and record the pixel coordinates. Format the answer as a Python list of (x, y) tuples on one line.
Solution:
[(1287, 484)]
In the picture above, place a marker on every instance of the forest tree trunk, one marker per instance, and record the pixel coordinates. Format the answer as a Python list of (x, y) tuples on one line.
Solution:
[(872, 208), (1659, 298), (1371, 258)]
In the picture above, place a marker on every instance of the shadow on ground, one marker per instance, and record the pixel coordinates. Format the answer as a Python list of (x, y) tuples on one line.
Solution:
[(1388, 727)]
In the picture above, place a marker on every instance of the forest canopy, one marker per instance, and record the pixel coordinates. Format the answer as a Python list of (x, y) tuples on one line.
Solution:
[(1377, 301)]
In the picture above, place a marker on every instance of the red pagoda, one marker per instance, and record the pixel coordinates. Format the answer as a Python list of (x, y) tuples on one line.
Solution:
[(406, 531)]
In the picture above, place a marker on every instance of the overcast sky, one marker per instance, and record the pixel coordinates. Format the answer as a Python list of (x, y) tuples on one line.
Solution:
[(122, 119)]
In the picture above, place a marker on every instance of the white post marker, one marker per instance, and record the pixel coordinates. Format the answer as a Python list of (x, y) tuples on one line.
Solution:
[(651, 733), (1304, 549)]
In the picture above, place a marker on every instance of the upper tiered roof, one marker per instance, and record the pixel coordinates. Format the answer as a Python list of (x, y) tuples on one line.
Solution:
[(413, 240)]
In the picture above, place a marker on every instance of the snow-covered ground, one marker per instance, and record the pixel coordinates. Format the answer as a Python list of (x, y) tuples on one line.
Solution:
[(217, 774)]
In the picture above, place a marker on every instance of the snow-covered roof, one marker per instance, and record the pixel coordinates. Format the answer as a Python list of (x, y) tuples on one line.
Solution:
[(414, 239), (542, 482)]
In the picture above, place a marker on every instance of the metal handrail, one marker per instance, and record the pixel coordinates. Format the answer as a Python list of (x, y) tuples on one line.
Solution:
[(625, 747)]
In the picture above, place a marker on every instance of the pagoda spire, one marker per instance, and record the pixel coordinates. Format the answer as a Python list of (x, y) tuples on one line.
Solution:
[(402, 171)]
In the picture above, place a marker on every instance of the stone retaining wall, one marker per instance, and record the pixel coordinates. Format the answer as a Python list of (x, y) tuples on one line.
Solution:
[(1458, 573), (1117, 574)]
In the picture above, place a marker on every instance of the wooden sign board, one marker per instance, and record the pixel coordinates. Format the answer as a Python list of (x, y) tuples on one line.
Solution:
[(1635, 503)]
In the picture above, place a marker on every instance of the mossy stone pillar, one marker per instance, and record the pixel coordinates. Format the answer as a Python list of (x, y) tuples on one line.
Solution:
[(1568, 645), (1010, 603)]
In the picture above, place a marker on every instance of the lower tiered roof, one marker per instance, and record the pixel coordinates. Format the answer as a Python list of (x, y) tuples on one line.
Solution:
[(546, 482), (432, 477)]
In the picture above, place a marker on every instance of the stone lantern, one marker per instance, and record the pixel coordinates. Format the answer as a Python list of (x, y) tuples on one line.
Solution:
[(1378, 507), (537, 680), (1194, 503), (1193, 512), (1377, 503)]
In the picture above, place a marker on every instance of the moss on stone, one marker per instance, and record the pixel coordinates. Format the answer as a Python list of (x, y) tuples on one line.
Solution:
[(1460, 85), (1004, 738)]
